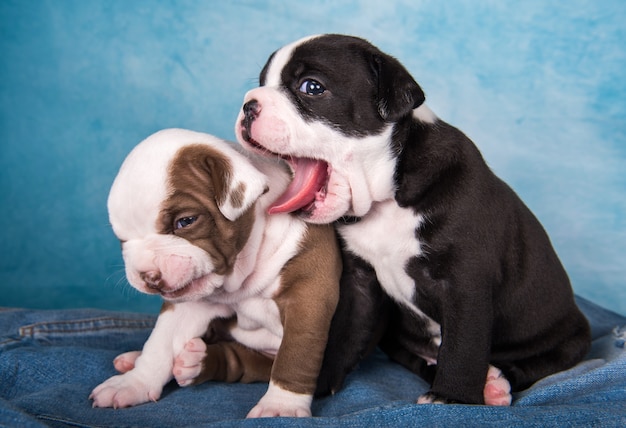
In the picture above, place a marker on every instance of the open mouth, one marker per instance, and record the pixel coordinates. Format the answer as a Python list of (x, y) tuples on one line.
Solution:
[(308, 186), (174, 294), (184, 289)]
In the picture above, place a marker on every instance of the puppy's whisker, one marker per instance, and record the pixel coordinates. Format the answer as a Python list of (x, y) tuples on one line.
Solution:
[(253, 80)]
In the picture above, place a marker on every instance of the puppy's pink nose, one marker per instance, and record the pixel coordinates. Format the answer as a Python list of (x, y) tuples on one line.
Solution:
[(152, 279)]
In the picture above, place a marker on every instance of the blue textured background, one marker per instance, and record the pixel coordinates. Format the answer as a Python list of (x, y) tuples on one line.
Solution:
[(539, 86)]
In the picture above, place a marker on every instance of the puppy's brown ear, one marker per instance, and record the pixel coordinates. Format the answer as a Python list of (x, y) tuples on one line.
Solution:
[(238, 185), (398, 92)]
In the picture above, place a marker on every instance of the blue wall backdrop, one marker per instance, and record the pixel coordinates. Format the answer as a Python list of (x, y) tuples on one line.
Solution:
[(539, 86)]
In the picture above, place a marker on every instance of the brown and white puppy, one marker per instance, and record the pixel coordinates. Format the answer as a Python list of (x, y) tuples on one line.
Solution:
[(190, 212), (476, 284)]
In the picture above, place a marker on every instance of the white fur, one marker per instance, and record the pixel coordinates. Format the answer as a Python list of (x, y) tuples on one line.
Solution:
[(246, 292), (189, 363), (424, 114), (280, 59), (361, 181), (153, 368), (258, 325), (148, 169), (388, 247), (154, 252), (280, 402), (361, 170), (133, 212)]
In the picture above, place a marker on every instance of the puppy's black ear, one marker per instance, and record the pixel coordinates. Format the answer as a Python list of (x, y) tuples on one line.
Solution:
[(398, 92)]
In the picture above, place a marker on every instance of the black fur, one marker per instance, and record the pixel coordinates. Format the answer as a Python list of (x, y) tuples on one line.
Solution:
[(490, 267), (357, 326), (345, 64)]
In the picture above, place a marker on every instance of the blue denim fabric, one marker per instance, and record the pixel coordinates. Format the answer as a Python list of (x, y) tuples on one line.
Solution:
[(51, 360)]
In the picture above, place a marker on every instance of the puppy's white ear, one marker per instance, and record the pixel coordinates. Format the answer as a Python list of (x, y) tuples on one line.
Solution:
[(243, 184)]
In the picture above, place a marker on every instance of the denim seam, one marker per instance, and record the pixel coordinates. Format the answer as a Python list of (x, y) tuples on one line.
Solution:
[(66, 421), (72, 326), (7, 341)]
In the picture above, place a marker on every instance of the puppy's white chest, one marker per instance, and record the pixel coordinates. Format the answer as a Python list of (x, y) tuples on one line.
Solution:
[(385, 238), (258, 324)]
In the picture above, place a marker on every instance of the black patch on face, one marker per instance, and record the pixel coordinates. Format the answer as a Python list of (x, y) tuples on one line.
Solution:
[(363, 88)]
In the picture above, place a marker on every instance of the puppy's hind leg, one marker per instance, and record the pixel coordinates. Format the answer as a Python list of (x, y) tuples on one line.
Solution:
[(224, 362), (126, 362), (497, 390)]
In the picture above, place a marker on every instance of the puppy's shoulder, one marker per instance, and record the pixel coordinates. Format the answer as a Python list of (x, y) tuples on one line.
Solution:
[(318, 260), (435, 160)]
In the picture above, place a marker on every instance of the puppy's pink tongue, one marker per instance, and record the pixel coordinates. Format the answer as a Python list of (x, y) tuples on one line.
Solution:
[(310, 177)]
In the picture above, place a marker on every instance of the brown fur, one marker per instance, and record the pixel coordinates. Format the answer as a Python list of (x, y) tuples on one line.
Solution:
[(199, 177), (233, 362), (228, 361), (237, 195), (199, 181), (166, 306), (307, 302)]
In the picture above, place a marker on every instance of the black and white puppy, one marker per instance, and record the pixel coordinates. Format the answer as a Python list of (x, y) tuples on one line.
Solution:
[(476, 283)]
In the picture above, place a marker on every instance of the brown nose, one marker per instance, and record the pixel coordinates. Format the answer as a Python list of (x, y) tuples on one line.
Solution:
[(152, 279)]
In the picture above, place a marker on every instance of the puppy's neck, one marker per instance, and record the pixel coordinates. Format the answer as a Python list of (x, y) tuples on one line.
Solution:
[(371, 170)]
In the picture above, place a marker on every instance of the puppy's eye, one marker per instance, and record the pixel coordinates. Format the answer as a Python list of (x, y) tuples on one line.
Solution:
[(184, 222), (311, 87)]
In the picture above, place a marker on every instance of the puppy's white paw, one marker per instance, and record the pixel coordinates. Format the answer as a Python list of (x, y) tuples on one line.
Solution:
[(124, 391), (188, 364), (126, 362), (280, 402), (430, 398), (497, 390)]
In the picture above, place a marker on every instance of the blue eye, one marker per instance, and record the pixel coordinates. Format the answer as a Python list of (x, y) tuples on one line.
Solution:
[(184, 222), (311, 87)]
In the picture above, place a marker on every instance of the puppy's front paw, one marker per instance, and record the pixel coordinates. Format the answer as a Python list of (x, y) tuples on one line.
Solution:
[(280, 402), (124, 391), (497, 390), (188, 364), (432, 398)]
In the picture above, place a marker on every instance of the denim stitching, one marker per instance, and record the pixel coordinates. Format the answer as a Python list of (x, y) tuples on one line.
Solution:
[(85, 325)]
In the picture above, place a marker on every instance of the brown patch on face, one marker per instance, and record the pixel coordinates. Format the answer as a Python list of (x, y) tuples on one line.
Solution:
[(199, 178), (307, 301)]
